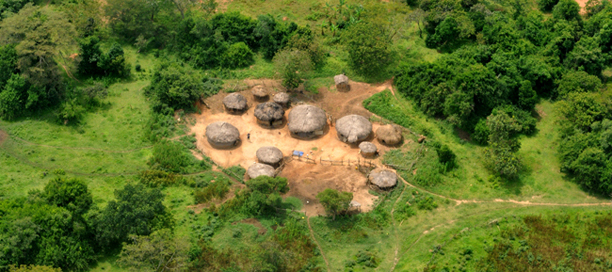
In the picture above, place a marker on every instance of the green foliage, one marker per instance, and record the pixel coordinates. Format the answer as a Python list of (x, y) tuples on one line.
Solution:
[(14, 97), (578, 81), (71, 194), (136, 210), (368, 47), (238, 55), (526, 245), (131, 18), (335, 202), (587, 56), (33, 268), (113, 62), (568, 10), (217, 189), (447, 32), (264, 196), (170, 156), (425, 202), (445, 155), (501, 155), (10, 7), (155, 178), (90, 55), (292, 65), (236, 172), (160, 251), (174, 86), (481, 132)]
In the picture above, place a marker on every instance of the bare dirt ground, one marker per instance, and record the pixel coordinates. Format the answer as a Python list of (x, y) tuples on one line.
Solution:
[(582, 4), (305, 180)]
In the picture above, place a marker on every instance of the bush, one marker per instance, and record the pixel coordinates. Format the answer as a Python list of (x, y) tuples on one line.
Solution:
[(335, 202), (238, 55), (481, 132), (368, 48), (445, 155), (155, 178), (217, 189), (170, 156)]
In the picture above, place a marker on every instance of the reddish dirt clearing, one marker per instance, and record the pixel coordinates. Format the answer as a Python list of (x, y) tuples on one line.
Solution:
[(305, 180)]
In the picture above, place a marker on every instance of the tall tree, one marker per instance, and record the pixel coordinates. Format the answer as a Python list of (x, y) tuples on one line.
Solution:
[(335, 202)]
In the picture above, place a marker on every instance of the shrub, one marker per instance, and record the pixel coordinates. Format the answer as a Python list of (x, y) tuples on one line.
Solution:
[(170, 156), (238, 55), (425, 202), (217, 189), (481, 132), (547, 5), (335, 202), (154, 178)]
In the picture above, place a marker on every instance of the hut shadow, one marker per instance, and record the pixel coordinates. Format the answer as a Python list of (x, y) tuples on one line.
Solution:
[(326, 130), (236, 145)]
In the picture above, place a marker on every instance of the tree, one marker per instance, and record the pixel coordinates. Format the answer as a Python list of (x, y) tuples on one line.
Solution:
[(547, 5), (292, 65), (568, 10), (335, 202), (71, 194), (418, 16), (176, 87), (587, 56), (90, 56), (576, 82), (238, 55), (368, 47), (159, 252), (169, 156), (136, 210), (41, 35), (10, 7), (264, 195), (131, 18), (13, 97), (501, 153), (113, 62)]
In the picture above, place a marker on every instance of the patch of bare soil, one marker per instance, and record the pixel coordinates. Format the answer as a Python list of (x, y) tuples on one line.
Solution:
[(582, 4), (306, 180), (261, 230)]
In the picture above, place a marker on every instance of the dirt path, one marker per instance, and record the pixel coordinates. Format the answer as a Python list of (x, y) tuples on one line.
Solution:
[(3, 136), (317, 242)]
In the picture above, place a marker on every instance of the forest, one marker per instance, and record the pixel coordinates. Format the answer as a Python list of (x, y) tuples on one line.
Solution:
[(506, 162)]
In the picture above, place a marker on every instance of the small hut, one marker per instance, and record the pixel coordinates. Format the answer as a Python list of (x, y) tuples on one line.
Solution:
[(353, 128), (222, 135), (269, 115), (342, 83), (260, 169), (383, 179), (307, 122), (368, 149), (259, 92), (389, 134), (235, 103), (269, 155), (282, 99)]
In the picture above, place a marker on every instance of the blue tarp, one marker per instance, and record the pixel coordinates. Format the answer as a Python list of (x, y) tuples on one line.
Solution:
[(298, 153)]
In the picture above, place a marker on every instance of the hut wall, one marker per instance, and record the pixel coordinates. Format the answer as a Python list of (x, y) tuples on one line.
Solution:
[(234, 111), (270, 124), (368, 154), (343, 87), (223, 145)]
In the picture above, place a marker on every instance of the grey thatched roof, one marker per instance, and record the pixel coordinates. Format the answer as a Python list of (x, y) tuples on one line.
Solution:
[(269, 155), (339, 79), (367, 147), (235, 101), (259, 91), (390, 134), (260, 169), (307, 118), (353, 128), (382, 178), (222, 133), (269, 111), (281, 98)]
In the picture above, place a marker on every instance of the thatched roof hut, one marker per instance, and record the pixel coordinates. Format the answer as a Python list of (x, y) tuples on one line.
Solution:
[(259, 92), (269, 114), (222, 135), (368, 149), (384, 179), (260, 169), (269, 155), (342, 83), (389, 134), (282, 99), (307, 122), (235, 103), (353, 128)]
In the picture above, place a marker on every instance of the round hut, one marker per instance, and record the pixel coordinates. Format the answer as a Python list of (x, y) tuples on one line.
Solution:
[(269, 115), (342, 83), (269, 155), (222, 135), (383, 179), (307, 122), (260, 169), (368, 149), (235, 103), (353, 128), (389, 134), (259, 92), (282, 99)]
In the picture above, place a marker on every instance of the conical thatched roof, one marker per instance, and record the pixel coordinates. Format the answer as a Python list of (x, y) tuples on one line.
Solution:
[(281, 98), (367, 147), (222, 133), (269, 111), (260, 169), (235, 101), (259, 91), (382, 178), (353, 128), (307, 119), (389, 134), (269, 155), (341, 79)]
